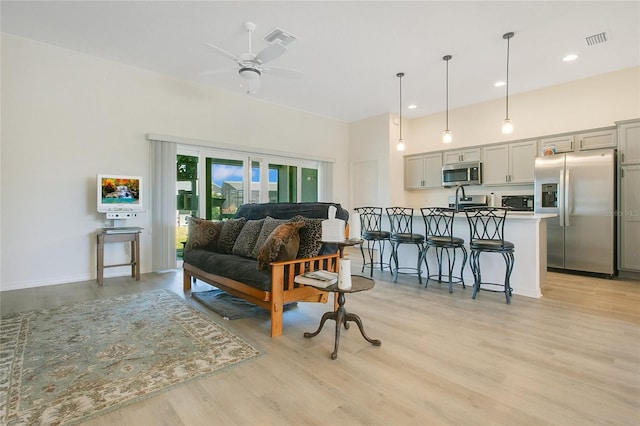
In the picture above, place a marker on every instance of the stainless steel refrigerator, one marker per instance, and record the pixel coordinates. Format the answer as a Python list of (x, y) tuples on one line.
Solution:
[(581, 189)]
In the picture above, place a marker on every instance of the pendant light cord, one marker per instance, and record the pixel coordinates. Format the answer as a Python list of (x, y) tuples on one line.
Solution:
[(400, 75), (508, 37), (447, 92)]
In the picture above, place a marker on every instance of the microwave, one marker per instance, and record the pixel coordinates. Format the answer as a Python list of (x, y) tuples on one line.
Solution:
[(462, 174)]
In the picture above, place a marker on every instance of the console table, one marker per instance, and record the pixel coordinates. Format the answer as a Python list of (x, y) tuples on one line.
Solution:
[(118, 235)]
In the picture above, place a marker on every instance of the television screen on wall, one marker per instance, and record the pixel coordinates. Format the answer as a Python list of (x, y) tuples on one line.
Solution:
[(120, 193)]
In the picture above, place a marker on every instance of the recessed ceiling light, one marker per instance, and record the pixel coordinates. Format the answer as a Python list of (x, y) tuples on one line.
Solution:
[(499, 83), (569, 58), (412, 106)]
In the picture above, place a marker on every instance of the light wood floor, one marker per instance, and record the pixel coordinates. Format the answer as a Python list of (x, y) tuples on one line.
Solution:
[(569, 358)]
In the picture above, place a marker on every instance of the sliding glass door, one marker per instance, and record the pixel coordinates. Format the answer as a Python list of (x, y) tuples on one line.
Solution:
[(227, 180)]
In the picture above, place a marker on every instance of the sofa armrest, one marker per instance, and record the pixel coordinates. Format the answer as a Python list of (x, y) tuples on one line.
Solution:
[(282, 275)]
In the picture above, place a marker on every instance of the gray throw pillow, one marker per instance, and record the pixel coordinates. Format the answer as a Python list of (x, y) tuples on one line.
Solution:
[(267, 228), (246, 241), (230, 230)]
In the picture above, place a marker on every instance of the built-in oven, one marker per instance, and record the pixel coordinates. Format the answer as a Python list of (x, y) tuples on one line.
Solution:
[(462, 174), (522, 203)]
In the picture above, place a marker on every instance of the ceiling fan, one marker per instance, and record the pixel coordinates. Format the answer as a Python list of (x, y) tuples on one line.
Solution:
[(250, 66)]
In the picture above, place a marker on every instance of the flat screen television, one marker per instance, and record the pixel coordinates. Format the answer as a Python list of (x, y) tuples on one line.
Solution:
[(120, 193)]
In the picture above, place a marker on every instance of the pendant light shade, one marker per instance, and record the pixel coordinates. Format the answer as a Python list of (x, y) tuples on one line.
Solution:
[(446, 136), (507, 126), (400, 145)]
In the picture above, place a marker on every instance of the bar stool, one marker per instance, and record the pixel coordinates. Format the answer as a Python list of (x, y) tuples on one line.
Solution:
[(401, 220), (372, 233), (486, 231), (438, 223)]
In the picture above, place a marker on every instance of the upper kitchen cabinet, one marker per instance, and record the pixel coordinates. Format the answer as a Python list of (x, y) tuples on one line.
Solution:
[(596, 140), (423, 171), (511, 163), (462, 156), (629, 142), (603, 138), (557, 144)]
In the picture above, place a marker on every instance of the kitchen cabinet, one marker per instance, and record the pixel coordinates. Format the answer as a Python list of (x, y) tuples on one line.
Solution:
[(511, 163), (596, 140), (629, 216), (629, 142), (629, 196), (423, 171), (559, 143), (462, 156)]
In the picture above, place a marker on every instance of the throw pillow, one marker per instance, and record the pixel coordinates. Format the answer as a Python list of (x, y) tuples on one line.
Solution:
[(246, 241), (267, 228), (282, 244), (230, 230), (202, 233), (310, 236)]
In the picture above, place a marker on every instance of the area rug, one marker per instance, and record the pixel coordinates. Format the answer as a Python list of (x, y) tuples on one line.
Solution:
[(66, 364), (230, 307)]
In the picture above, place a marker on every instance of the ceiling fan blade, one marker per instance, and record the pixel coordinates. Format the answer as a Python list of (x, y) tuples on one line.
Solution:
[(218, 71), (284, 72), (270, 53), (224, 53)]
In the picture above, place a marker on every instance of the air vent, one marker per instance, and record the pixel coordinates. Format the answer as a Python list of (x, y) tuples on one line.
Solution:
[(279, 36), (599, 38)]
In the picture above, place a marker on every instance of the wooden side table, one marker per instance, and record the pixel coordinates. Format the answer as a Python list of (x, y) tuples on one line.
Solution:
[(341, 316), (110, 235)]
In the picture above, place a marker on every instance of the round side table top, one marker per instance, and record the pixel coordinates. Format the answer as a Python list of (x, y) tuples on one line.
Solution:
[(358, 283)]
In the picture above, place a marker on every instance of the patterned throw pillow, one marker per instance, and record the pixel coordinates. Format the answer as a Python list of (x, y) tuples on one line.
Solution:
[(246, 242), (267, 228), (230, 231), (282, 244), (310, 236), (202, 233)]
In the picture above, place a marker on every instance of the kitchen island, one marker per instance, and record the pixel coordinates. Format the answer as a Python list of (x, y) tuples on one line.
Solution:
[(527, 231)]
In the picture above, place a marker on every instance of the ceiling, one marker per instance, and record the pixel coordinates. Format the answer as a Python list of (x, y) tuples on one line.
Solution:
[(349, 52)]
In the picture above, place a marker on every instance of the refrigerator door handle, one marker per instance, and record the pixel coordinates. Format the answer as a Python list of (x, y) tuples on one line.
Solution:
[(568, 208), (561, 199)]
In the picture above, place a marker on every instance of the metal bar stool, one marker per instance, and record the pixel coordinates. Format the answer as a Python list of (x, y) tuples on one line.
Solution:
[(401, 220), (372, 234), (438, 223), (486, 231)]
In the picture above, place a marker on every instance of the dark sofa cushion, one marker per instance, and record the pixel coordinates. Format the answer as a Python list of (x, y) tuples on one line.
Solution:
[(230, 230), (202, 233), (245, 244), (237, 268), (281, 245), (289, 210)]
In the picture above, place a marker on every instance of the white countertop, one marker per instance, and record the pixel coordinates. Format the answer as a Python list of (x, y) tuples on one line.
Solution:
[(510, 216)]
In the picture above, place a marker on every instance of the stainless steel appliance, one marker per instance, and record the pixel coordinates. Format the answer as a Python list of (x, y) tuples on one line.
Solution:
[(518, 203), (462, 174), (468, 201), (580, 188)]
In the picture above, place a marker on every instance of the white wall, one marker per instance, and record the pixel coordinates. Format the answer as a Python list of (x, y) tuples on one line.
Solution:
[(67, 116)]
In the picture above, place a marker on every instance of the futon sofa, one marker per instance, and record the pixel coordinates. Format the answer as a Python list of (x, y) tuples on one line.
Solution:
[(257, 254)]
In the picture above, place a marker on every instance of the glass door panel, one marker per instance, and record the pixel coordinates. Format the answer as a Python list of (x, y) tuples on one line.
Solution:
[(309, 185), (224, 187), (186, 197)]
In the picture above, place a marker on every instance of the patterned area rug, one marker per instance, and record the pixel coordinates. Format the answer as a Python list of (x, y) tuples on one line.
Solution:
[(230, 307), (66, 364)]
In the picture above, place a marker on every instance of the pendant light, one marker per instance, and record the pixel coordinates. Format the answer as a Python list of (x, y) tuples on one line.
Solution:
[(507, 126), (446, 136), (400, 145)]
